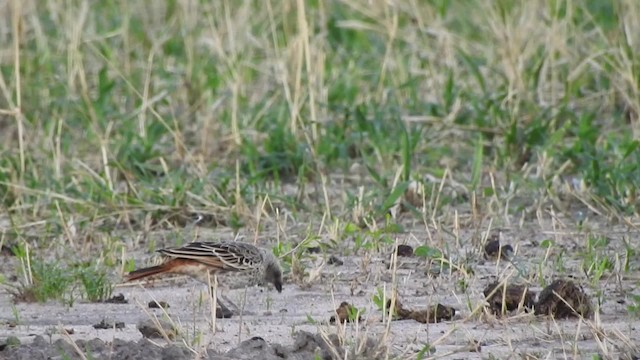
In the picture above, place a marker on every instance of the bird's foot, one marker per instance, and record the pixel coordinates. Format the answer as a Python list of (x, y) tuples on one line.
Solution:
[(223, 313)]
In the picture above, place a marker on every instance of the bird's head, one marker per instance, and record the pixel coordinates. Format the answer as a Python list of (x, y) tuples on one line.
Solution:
[(272, 272)]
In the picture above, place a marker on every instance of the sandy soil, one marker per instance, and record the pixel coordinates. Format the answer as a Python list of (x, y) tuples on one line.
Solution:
[(276, 317)]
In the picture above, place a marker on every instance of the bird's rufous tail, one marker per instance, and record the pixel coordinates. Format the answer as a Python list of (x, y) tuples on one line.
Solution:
[(143, 273)]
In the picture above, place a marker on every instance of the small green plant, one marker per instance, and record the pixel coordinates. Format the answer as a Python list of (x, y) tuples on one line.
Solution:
[(292, 257), (96, 285), (462, 284), (21, 251), (630, 253), (16, 314), (43, 281), (354, 313), (130, 265), (634, 308), (428, 252), (595, 262), (197, 338), (379, 300), (284, 252), (372, 240), (281, 156), (426, 350), (311, 320), (548, 245), (51, 281), (436, 260), (559, 261)]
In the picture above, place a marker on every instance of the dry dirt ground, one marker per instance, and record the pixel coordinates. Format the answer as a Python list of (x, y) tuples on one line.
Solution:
[(280, 318)]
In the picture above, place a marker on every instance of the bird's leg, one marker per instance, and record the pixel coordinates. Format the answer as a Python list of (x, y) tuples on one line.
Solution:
[(226, 299), (222, 312)]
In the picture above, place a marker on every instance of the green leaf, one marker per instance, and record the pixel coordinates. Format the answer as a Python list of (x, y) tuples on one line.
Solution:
[(476, 170), (427, 349), (406, 154), (374, 174), (351, 228), (545, 244), (399, 191), (311, 320), (428, 252)]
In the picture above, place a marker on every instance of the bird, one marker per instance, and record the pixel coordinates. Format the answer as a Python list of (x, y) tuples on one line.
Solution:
[(243, 263)]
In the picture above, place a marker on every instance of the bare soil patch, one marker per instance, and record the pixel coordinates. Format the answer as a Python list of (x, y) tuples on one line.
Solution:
[(457, 314)]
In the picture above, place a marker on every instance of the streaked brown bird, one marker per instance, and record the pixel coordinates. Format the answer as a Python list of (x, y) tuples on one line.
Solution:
[(201, 260)]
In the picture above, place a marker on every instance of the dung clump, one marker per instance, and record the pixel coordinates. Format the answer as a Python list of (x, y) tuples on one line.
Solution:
[(509, 297), (404, 250), (563, 299), (494, 250), (346, 313), (433, 314)]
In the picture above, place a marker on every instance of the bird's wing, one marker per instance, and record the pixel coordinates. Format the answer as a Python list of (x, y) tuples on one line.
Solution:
[(230, 256)]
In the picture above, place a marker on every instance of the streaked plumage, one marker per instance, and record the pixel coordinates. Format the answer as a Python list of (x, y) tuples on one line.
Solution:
[(229, 256), (197, 259)]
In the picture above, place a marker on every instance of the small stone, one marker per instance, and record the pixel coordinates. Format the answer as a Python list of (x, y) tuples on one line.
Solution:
[(334, 260)]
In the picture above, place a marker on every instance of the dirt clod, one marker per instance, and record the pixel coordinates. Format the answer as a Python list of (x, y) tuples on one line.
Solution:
[(152, 330), (563, 299), (404, 250), (346, 313), (6, 250), (509, 299), (41, 348), (493, 250), (433, 314), (117, 299), (106, 324), (334, 260), (305, 346), (313, 345), (158, 304), (414, 195), (254, 348), (474, 346), (314, 250)]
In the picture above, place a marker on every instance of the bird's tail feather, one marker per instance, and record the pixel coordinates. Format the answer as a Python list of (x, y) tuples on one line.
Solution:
[(143, 273)]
